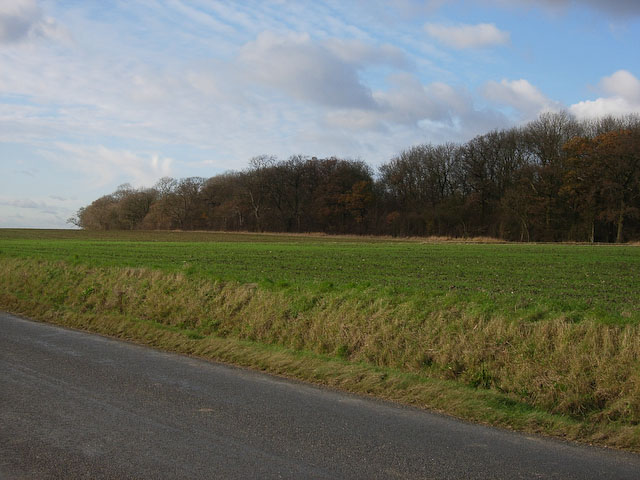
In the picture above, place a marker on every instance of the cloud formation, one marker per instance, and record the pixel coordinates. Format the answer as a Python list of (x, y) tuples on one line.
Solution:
[(408, 101), (309, 71), (622, 84), (622, 97), (409, 109), (362, 54), (468, 36), (328, 73), (104, 166), (525, 98)]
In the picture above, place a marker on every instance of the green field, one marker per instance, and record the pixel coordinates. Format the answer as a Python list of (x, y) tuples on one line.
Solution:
[(539, 337), (520, 281)]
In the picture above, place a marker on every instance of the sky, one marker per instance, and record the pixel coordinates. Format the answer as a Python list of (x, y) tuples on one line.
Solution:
[(98, 93)]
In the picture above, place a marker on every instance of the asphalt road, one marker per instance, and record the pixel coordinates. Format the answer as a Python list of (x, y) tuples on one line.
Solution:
[(75, 405)]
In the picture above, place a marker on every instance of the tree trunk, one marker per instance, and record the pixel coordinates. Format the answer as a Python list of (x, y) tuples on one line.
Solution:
[(524, 230), (620, 220)]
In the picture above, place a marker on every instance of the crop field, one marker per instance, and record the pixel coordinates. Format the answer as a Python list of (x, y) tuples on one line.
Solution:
[(520, 281), (539, 337)]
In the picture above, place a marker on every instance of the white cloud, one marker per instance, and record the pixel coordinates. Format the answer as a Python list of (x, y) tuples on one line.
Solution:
[(104, 166), (198, 16), (408, 101), (468, 36), (355, 120), (602, 107), (623, 97), (520, 95), (622, 84), (362, 54), (414, 111)]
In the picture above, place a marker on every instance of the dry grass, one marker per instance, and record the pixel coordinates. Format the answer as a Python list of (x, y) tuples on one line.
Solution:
[(441, 239), (217, 235), (580, 380)]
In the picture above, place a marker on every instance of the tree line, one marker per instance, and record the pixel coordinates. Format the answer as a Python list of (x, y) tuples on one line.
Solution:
[(553, 179)]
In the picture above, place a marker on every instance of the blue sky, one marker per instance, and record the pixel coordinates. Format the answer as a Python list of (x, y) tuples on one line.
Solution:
[(97, 93)]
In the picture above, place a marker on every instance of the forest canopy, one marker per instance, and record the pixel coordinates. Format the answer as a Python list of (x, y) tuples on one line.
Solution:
[(553, 179)]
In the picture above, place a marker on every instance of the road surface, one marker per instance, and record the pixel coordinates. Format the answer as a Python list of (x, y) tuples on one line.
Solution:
[(76, 405)]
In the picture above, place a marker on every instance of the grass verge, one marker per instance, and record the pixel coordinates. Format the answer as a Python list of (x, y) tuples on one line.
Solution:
[(576, 380)]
